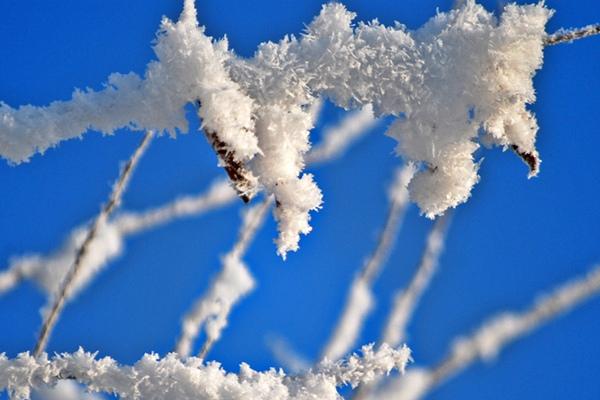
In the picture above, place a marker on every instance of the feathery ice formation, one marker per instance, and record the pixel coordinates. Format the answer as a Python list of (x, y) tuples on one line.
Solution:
[(461, 80)]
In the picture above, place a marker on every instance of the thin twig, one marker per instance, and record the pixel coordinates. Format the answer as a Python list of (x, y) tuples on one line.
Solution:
[(493, 336), (567, 36), (406, 300), (113, 201), (336, 140), (226, 290), (359, 300), (242, 179), (245, 239), (487, 341)]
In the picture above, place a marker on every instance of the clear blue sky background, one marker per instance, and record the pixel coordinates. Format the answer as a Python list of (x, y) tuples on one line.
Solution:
[(513, 239)]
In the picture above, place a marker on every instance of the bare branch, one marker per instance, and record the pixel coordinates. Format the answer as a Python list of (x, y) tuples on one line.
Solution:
[(113, 202), (242, 179)]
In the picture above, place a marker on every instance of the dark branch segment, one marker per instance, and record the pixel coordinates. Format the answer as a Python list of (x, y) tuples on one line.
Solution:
[(569, 36), (242, 179), (531, 159)]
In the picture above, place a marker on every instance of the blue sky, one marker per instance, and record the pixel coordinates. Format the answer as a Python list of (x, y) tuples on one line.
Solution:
[(513, 239)]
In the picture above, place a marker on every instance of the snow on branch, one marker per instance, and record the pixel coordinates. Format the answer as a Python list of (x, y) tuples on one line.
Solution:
[(66, 390), (462, 73), (336, 138), (360, 299), (493, 336), (569, 35), (406, 300), (174, 378), (49, 270), (85, 249), (235, 281)]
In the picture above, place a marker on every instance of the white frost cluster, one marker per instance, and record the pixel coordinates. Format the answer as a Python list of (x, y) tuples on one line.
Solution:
[(66, 390), (462, 73), (153, 378), (48, 270)]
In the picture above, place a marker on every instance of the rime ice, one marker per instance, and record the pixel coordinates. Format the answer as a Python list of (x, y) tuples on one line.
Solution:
[(173, 378), (463, 79)]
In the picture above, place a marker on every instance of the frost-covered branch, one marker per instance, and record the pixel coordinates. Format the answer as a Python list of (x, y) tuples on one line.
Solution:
[(337, 138), (153, 378), (48, 271), (218, 194), (406, 300), (493, 336), (84, 250), (66, 390), (360, 299), (286, 356), (569, 35), (465, 71), (211, 311)]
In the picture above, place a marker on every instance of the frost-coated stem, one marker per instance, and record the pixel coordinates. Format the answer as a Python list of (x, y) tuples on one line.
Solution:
[(406, 300), (154, 378), (360, 298), (212, 309), (10, 278), (48, 270), (487, 341), (218, 195), (566, 36), (113, 202), (493, 336), (337, 138)]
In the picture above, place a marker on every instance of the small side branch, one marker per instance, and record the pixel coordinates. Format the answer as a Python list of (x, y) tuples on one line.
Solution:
[(566, 36), (211, 311), (66, 286)]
